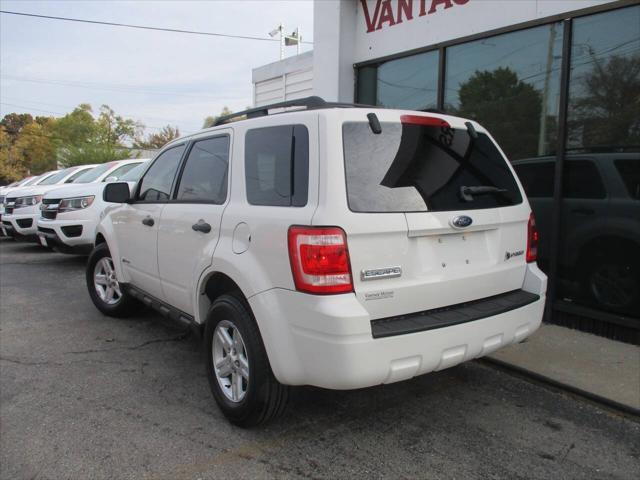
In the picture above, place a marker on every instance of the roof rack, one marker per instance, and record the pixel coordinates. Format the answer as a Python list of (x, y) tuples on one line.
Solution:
[(311, 103)]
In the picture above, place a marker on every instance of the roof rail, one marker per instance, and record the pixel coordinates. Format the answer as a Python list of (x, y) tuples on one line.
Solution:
[(311, 103)]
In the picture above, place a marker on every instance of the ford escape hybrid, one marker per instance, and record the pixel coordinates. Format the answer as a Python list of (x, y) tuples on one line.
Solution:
[(327, 245)]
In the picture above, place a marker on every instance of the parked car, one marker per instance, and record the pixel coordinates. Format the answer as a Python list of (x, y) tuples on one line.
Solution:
[(22, 204), (70, 215), (599, 259), (6, 190), (329, 246)]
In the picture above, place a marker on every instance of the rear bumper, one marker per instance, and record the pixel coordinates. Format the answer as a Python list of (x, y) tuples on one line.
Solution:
[(328, 341)]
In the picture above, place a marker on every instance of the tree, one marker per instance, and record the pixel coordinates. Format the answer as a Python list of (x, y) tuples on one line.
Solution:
[(508, 107), (114, 129), (35, 148), (157, 140), (604, 110), (82, 139), (211, 120), (9, 171), (13, 124)]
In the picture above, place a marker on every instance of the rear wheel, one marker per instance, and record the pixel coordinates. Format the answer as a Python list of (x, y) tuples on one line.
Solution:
[(612, 281), (237, 365), (104, 288)]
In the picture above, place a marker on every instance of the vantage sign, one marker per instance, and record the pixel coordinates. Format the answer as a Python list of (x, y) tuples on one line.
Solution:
[(384, 13)]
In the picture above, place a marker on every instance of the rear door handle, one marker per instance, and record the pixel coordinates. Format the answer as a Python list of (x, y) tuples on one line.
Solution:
[(148, 221), (201, 226)]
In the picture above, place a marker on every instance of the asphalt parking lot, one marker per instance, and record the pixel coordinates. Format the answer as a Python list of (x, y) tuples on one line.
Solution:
[(87, 396)]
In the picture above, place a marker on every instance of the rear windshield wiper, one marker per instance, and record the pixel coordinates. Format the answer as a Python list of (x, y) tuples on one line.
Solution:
[(467, 193)]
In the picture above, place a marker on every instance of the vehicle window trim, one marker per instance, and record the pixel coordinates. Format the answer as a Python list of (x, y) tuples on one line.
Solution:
[(183, 164), (135, 198)]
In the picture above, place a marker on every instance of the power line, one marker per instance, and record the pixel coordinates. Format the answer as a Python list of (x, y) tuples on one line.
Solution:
[(143, 27), (115, 87)]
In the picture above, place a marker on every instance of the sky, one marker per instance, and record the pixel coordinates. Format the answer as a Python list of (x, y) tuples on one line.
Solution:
[(48, 67)]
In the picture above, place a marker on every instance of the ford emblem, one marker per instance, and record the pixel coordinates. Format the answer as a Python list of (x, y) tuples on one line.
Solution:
[(461, 221)]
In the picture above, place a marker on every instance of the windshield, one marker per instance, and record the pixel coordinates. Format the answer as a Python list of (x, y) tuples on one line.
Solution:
[(53, 179), (134, 174), (94, 173), (31, 181), (417, 168)]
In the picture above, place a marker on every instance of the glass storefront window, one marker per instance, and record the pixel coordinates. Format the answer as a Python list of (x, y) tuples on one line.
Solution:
[(604, 88), (410, 82), (599, 256), (509, 83)]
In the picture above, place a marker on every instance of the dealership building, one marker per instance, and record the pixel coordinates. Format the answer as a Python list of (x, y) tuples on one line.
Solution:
[(557, 82)]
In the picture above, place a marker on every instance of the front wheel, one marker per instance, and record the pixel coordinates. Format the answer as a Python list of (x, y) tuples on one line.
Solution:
[(237, 365), (104, 288)]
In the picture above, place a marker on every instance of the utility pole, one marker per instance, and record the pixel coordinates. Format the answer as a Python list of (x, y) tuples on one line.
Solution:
[(542, 135)]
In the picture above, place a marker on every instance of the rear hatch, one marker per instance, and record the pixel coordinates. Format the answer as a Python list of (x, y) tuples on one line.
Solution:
[(437, 217)]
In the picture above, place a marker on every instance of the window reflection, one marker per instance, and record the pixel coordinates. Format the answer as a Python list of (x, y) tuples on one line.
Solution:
[(410, 82), (604, 89), (510, 84)]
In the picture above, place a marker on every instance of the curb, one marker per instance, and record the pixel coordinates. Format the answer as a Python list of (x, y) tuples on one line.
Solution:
[(627, 409)]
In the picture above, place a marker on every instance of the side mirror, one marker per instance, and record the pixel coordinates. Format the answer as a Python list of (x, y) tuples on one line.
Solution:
[(117, 192)]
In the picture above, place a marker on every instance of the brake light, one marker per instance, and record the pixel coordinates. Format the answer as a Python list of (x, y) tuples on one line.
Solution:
[(319, 259), (532, 240), (425, 121)]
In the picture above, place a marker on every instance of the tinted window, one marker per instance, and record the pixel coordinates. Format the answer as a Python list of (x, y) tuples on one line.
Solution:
[(89, 176), (536, 178), (410, 82), (119, 172), (134, 174), (79, 174), (630, 173), (423, 168), (582, 180), (157, 182), (277, 165), (604, 98), (204, 177), (509, 83), (53, 179)]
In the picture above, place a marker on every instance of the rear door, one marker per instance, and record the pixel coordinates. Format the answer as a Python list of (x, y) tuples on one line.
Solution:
[(436, 215), (190, 223)]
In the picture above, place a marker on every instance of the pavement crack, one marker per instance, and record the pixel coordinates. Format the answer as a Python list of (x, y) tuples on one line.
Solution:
[(176, 338)]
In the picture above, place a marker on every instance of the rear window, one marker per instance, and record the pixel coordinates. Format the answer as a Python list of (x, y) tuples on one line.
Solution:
[(536, 178), (419, 168)]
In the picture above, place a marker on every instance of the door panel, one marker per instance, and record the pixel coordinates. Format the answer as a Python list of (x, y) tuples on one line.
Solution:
[(138, 244), (184, 252)]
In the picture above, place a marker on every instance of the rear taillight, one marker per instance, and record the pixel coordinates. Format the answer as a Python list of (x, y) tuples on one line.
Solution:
[(532, 240), (319, 259)]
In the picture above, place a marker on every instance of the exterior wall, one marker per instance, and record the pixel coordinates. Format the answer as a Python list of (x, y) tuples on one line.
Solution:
[(428, 22), (288, 79)]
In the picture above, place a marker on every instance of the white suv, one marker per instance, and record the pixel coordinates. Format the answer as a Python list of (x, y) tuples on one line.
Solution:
[(22, 205), (69, 215), (335, 246)]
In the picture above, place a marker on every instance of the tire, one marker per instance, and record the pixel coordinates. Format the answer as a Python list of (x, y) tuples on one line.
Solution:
[(122, 304), (612, 282), (260, 397)]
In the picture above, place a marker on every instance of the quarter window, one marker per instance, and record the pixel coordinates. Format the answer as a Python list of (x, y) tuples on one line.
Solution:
[(156, 184), (277, 165), (204, 178)]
